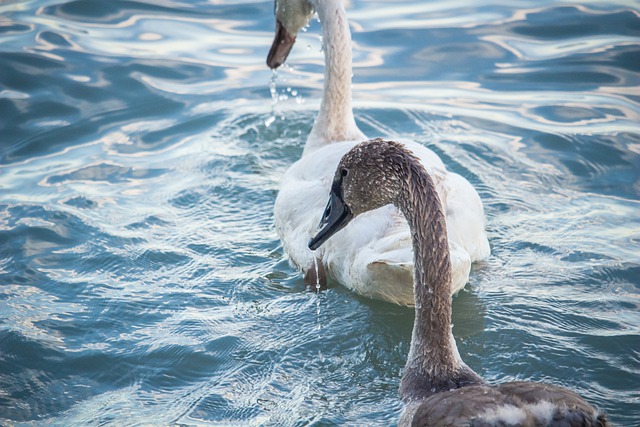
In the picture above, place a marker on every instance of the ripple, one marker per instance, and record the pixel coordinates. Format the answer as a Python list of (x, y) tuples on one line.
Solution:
[(529, 50), (111, 173)]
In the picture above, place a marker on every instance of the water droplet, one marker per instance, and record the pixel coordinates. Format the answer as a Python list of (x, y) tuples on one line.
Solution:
[(269, 121)]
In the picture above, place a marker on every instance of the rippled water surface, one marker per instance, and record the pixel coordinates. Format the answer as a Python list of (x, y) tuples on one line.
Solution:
[(141, 278)]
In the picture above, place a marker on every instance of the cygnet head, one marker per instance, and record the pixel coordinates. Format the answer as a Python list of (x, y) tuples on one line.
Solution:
[(291, 16), (369, 176)]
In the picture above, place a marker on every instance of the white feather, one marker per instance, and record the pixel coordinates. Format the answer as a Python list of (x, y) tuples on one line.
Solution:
[(505, 415)]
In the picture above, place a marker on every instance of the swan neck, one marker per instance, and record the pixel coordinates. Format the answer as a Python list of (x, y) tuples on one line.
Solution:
[(433, 357), (335, 121)]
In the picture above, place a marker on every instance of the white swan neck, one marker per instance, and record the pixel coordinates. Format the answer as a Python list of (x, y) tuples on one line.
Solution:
[(335, 121)]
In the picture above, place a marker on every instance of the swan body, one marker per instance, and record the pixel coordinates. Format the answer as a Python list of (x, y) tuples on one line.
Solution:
[(438, 388), (373, 255)]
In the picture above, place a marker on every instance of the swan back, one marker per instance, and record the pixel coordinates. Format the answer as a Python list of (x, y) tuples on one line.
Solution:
[(519, 403)]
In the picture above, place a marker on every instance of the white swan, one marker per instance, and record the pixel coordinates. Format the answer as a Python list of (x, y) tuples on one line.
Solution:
[(372, 256), (438, 388)]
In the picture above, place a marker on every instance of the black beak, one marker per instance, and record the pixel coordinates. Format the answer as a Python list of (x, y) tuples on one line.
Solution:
[(336, 216), (282, 44)]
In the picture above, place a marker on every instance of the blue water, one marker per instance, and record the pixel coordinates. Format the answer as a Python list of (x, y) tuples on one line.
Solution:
[(141, 278)]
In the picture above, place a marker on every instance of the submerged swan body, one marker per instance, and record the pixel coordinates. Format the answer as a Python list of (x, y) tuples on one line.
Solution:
[(372, 256), (438, 388)]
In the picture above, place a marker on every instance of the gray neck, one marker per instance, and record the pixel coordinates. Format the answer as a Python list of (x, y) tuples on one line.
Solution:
[(335, 120), (433, 364)]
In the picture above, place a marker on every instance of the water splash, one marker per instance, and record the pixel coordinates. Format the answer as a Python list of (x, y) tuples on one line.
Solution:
[(284, 95)]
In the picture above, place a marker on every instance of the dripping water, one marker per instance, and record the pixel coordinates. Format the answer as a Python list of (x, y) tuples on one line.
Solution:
[(274, 97), (318, 287), (315, 266)]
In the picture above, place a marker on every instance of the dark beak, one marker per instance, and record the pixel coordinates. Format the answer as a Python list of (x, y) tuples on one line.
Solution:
[(336, 216), (282, 44)]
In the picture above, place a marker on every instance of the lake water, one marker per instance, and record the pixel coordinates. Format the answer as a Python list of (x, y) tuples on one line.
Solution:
[(141, 278)]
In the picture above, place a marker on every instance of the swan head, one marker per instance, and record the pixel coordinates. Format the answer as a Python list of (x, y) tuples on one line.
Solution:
[(368, 177), (291, 16)]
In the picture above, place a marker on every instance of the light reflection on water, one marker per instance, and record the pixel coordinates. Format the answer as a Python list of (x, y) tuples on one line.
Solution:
[(142, 280)]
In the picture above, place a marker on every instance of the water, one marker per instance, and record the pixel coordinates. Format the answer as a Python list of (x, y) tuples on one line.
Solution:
[(141, 279)]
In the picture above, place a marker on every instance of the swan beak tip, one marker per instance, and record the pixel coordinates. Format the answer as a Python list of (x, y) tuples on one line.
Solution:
[(282, 44)]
